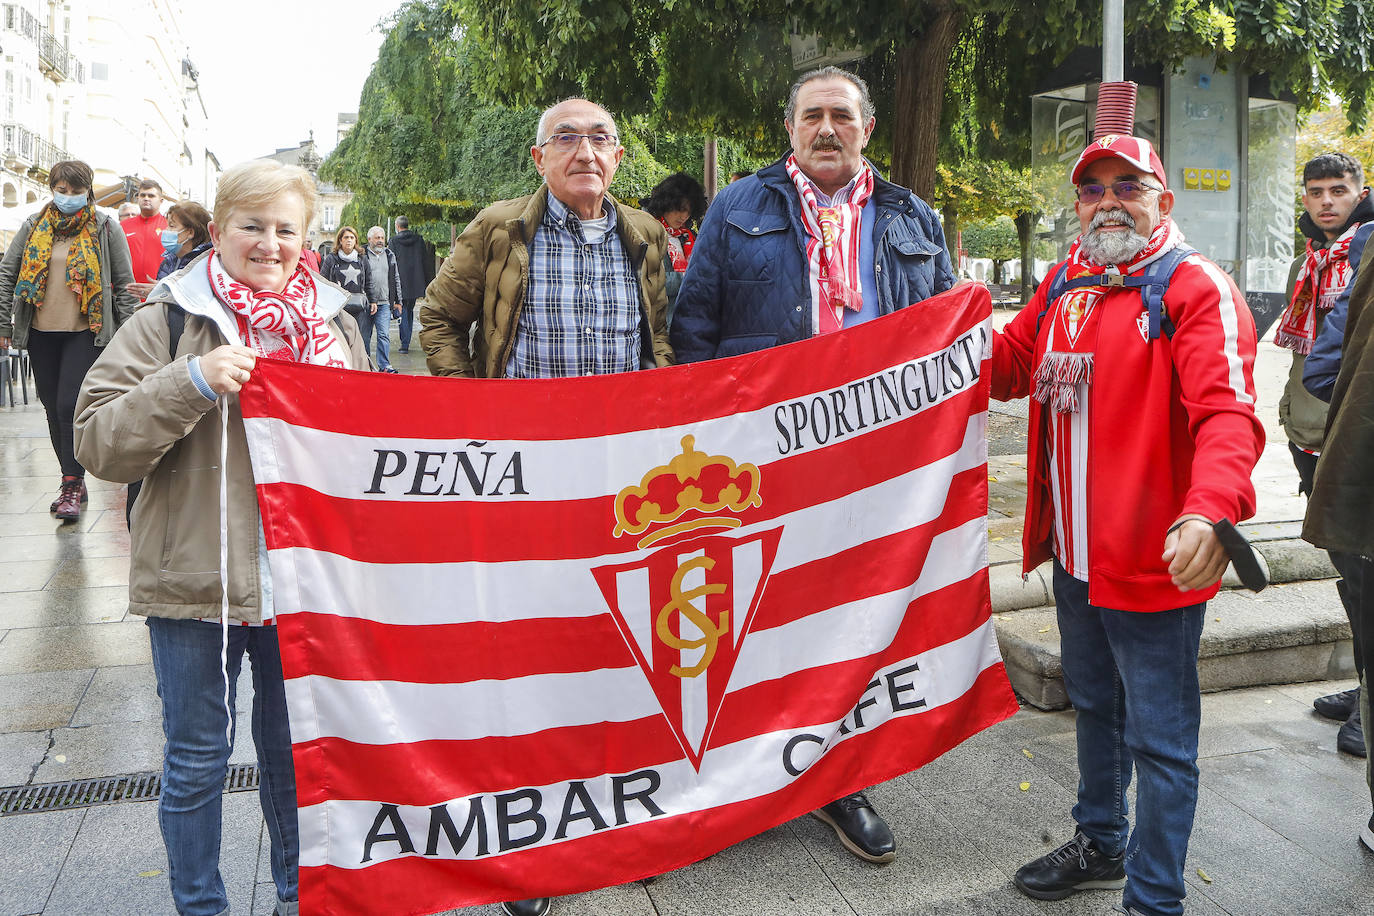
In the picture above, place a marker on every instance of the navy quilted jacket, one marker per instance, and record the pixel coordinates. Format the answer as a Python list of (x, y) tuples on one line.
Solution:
[(747, 288)]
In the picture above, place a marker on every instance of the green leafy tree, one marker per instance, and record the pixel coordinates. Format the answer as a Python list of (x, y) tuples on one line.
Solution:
[(994, 239)]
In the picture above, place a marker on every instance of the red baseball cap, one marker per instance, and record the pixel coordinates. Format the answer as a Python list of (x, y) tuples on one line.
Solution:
[(1139, 153)]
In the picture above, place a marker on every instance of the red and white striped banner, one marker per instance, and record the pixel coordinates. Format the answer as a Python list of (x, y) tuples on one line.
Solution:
[(543, 636)]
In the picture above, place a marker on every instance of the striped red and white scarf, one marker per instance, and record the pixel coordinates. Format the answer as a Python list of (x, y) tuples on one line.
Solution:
[(1068, 360), (285, 325), (1323, 275), (832, 247)]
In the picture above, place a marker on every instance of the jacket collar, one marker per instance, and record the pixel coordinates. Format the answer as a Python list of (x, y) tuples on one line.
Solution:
[(537, 204), (190, 289)]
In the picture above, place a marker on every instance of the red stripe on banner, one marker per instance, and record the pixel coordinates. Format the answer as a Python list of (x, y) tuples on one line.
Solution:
[(415, 884), (379, 406), (436, 771), (441, 770), (298, 516), (365, 650)]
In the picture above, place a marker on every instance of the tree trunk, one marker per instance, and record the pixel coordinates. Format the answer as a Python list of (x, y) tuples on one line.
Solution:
[(918, 100), (951, 216), (1025, 231)]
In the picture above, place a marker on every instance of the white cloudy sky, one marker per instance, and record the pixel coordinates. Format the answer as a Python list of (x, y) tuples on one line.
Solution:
[(273, 70)]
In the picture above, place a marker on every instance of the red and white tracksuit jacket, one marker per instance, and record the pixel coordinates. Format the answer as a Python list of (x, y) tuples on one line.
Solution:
[(1171, 430)]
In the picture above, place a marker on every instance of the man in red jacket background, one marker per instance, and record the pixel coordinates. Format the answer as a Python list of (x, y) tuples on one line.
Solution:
[(144, 232), (1142, 434)]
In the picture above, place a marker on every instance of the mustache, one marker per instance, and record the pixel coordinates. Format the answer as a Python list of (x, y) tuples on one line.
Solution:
[(827, 143), (1111, 218)]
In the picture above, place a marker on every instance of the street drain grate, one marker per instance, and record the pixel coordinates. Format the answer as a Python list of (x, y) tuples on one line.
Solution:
[(107, 790)]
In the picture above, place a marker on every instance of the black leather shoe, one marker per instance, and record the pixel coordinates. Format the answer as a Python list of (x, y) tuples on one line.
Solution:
[(536, 906), (1350, 737), (860, 828), (1338, 706), (1076, 866)]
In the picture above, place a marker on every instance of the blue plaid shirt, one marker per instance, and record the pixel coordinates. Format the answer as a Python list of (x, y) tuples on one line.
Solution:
[(581, 311)]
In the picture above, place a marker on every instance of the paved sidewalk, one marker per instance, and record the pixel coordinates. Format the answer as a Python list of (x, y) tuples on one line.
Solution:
[(1276, 827)]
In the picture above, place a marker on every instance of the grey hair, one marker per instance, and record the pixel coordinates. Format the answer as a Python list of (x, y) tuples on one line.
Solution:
[(542, 132), (377, 229), (865, 101)]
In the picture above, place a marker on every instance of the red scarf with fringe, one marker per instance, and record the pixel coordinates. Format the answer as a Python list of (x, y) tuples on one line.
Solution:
[(1323, 275), (285, 325), (832, 246), (1068, 360)]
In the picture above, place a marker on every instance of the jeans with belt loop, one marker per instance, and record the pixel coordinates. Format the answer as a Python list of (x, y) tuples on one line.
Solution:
[(1132, 679), (186, 660)]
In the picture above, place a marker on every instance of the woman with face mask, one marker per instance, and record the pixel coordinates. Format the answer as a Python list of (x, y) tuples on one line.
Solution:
[(186, 238), (63, 292)]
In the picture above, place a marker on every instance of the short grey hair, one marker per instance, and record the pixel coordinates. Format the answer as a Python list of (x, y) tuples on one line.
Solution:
[(376, 229), (542, 132), (865, 101)]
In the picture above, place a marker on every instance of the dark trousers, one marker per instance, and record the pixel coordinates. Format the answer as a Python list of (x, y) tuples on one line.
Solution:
[(407, 322), (60, 360)]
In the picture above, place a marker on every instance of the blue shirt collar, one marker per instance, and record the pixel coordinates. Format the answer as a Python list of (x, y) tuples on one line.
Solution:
[(559, 214)]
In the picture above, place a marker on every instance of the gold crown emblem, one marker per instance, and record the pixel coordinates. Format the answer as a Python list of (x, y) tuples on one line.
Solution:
[(690, 482), (1108, 140)]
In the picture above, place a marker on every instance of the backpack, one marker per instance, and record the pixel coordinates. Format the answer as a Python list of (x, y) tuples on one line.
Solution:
[(1153, 283)]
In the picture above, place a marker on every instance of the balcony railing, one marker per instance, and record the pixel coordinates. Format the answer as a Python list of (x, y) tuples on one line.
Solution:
[(23, 150), (56, 61)]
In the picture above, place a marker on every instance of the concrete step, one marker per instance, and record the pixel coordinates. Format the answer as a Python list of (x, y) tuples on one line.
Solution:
[(1292, 632)]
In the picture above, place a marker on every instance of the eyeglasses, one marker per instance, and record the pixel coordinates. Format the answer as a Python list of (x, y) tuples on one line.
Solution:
[(1121, 190), (569, 142)]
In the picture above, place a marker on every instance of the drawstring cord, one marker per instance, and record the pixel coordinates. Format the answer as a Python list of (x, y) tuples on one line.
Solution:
[(224, 565)]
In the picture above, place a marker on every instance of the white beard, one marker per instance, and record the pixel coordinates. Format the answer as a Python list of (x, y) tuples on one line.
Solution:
[(1110, 248)]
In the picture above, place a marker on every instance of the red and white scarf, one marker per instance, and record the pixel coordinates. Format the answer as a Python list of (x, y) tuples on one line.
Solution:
[(832, 247), (1322, 277), (1068, 360), (285, 325), (680, 242)]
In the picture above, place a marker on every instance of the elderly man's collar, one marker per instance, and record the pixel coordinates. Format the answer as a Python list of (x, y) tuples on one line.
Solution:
[(560, 214)]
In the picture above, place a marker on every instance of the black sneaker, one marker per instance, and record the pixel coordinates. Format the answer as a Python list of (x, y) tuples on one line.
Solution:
[(1367, 834), (1078, 865), (1350, 736), (1338, 706)]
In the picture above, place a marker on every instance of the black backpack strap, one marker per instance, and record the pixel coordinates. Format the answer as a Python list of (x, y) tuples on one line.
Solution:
[(176, 324), (1153, 284)]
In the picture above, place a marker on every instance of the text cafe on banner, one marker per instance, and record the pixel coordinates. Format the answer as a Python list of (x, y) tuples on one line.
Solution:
[(543, 636)]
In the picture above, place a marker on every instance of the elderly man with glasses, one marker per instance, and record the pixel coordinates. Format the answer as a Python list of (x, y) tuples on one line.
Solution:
[(564, 282), (1137, 353)]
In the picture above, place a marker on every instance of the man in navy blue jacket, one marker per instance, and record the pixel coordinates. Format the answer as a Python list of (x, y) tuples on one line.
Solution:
[(812, 244), (762, 273)]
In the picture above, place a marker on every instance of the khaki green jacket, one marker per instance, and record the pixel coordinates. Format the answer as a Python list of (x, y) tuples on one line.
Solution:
[(140, 417), (1302, 416), (485, 279)]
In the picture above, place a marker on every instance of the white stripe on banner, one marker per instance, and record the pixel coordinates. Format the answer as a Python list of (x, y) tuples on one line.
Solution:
[(499, 821), (412, 593), (459, 468), (521, 706)]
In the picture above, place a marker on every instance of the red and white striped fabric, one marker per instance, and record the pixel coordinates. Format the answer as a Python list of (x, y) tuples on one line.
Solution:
[(543, 636)]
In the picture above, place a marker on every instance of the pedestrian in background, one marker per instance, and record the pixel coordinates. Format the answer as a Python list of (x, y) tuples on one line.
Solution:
[(1337, 224), (679, 203), (309, 257), (143, 231), (64, 291), (415, 261), (148, 413), (384, 296), (346, 266), (186, 237)]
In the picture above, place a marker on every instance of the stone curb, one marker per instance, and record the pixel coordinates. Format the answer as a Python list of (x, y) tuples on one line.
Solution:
[(1291, 633)]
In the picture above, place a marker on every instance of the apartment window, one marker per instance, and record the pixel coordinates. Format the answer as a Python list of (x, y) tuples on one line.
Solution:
[(9, 95), (100, 71)]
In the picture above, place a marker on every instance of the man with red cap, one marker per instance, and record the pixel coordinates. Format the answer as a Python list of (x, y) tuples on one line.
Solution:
[(1137, 353)]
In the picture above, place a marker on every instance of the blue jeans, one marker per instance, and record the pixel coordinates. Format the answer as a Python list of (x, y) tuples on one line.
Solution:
[(1132, 679), (196, 755), (382, 323), (407, 322)]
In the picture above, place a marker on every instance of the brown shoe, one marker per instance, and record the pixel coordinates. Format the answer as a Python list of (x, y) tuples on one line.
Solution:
[(68, 505), (63, 489)]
